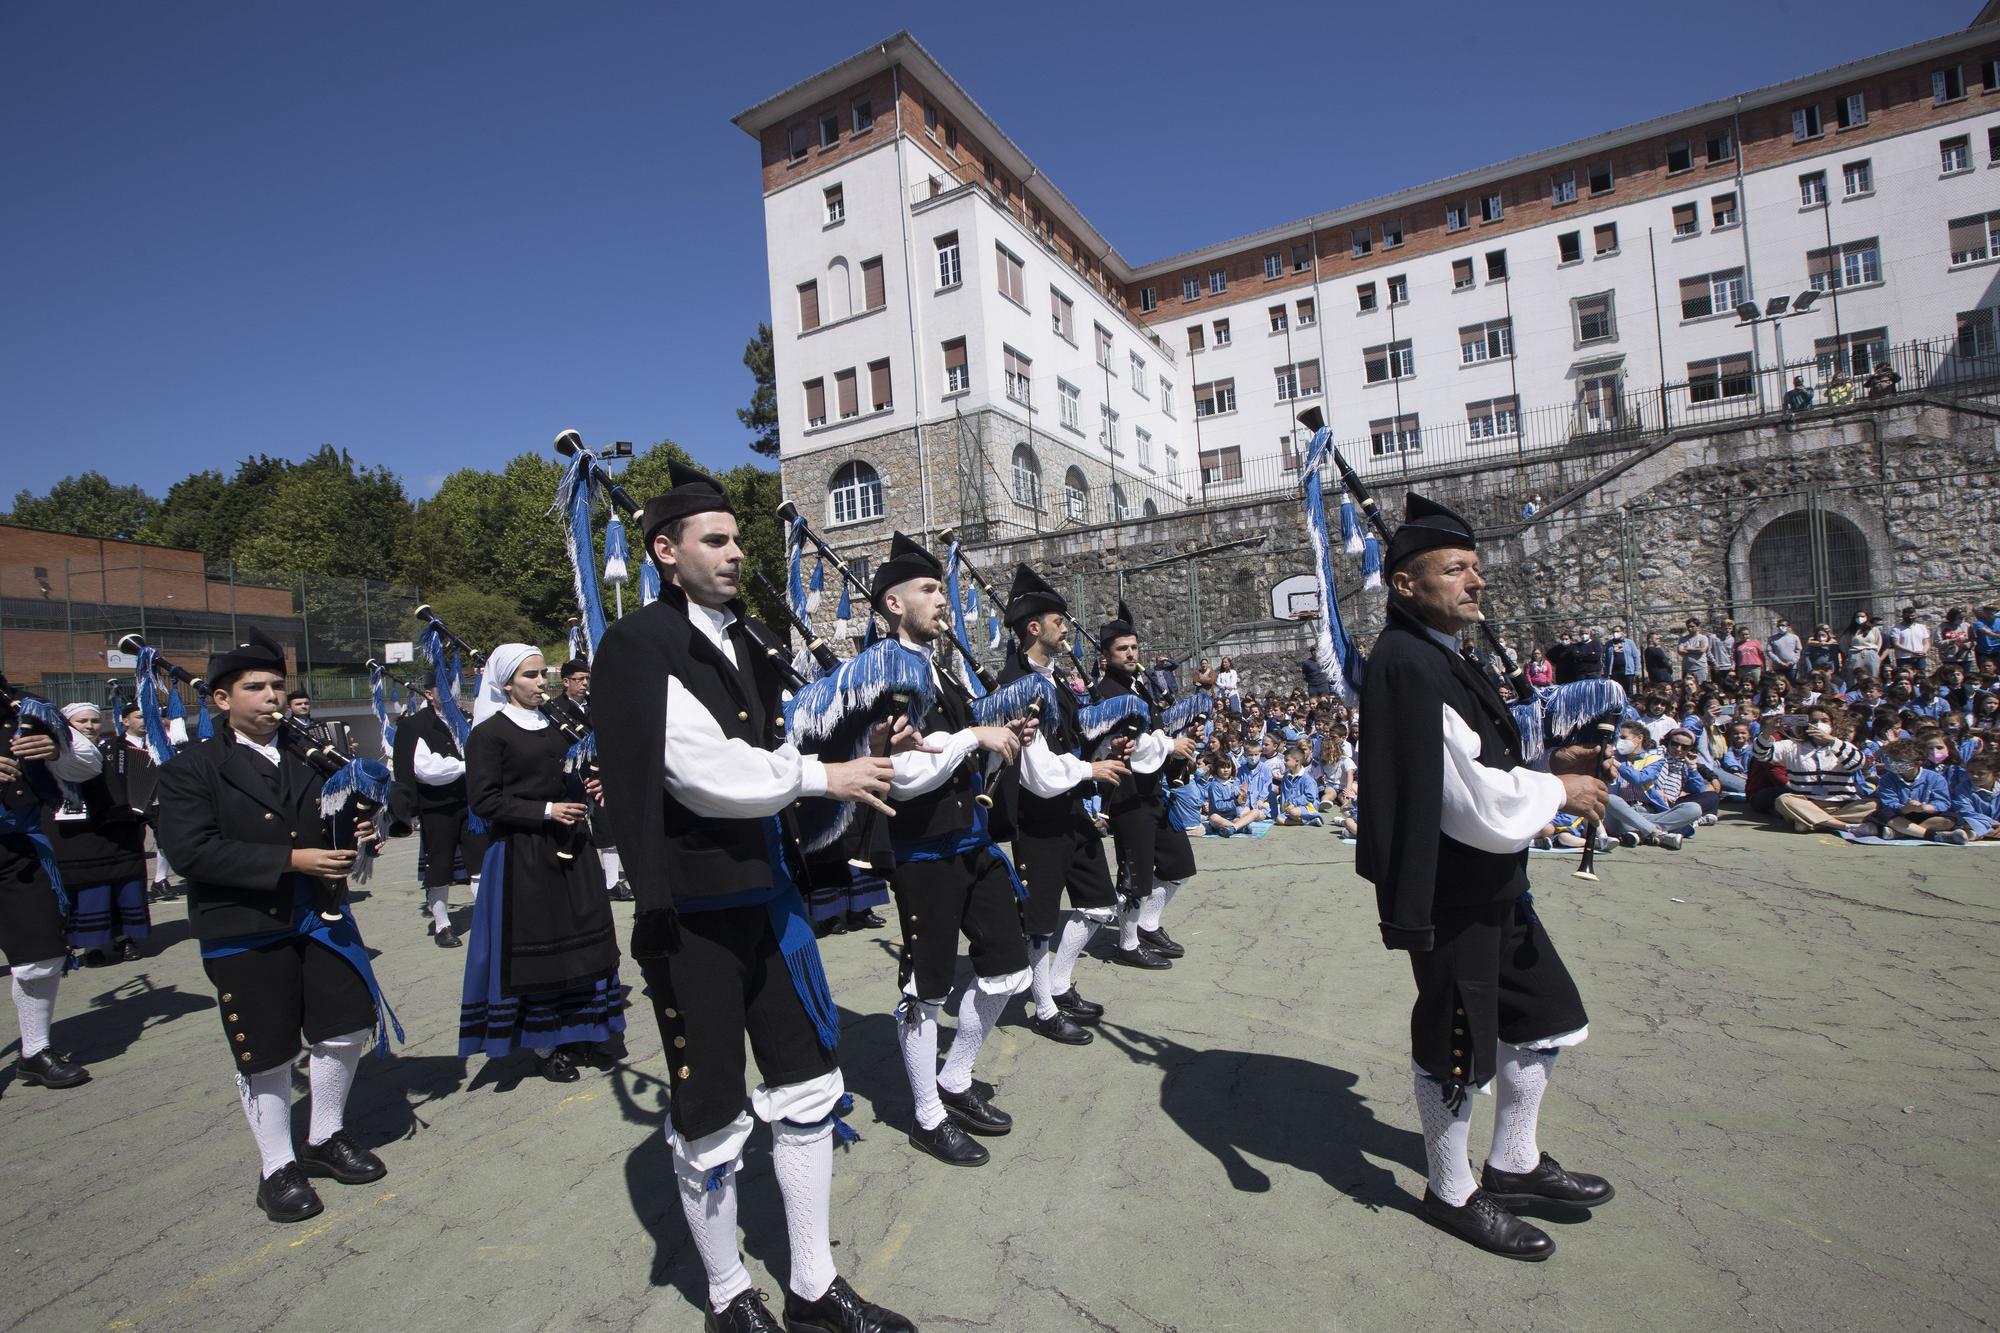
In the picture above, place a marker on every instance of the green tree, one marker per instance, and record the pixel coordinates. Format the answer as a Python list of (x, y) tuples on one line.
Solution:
[(210, 513), (485, 618), (761, 417), (326, 516), (494, 531), (89, 504)]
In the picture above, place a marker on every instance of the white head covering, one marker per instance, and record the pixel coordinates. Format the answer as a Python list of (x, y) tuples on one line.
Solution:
[(501, 664), (69, 711)]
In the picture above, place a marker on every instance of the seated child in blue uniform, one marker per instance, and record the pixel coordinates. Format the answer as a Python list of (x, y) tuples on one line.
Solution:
[(1913, 799), (1976, 803), (1223, 805), (1298, 794)]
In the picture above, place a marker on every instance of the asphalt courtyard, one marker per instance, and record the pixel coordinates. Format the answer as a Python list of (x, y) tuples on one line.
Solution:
[(1790, 1078)]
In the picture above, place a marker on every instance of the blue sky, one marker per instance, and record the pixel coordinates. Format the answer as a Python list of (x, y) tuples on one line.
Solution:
[(434, 234)]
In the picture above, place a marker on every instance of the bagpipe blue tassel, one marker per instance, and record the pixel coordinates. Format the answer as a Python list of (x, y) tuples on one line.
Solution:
[(1371, 564), (146, 687), (967, 676), (844, 1133), (649, 583), (1350, 528), (713, 1183), (1334, 652), (576, 497), (1179, 715), (842, 613), (815, 588), (845, 1106), (616, 554), (1012, 700), (993, 630)]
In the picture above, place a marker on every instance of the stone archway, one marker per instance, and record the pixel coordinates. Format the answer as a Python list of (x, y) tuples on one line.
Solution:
[(1795, 555)]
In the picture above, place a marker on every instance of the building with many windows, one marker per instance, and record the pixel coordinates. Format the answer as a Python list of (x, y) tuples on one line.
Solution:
[(957, 346)]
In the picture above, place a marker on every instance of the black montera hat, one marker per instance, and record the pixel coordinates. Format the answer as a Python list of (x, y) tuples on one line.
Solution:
[(1426, 526), (1031, 596), (907, 560)]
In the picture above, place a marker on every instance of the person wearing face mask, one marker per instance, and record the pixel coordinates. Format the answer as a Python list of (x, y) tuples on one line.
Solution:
[(1914, 800), (1976, 804), (1622, 654), (1785, 651), (1646, 804), (1822, 795), (1863, 647)]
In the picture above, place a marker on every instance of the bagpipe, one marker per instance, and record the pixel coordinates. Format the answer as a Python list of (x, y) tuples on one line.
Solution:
[(993, 599), (1580, 712), (146, 690), (24, 714), (1026, 698), (833, 719), (1104, 723), (353, 791)]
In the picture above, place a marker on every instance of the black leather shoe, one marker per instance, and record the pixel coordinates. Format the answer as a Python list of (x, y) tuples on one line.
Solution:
[(96, 958), (1481, 1221), (746, 1314), (974, 1114), (287, 1196), (447, 938), (1082, 1010), (621, 892), (864, 921), (124, 951), (1161, 943), (597, 1054), (1548, 1181), (343, 1159), (949, 1144), (48, 1069), (1061, 1027), (1141, 957), (841, 1310), (833, 925), (557, 1066)]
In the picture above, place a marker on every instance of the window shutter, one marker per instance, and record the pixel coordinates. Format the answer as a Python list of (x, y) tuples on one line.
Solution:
[(843, 384), (954, 354), (816, 401), (808, 306), (1309, 377), (871, 283), (878, 384)]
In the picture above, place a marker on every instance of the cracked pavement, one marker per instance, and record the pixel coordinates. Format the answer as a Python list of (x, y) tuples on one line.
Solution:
[(1790, 1078)]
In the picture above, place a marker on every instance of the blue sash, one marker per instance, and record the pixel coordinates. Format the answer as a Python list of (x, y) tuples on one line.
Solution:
[(26, 822), (971, 838), (342, 936)]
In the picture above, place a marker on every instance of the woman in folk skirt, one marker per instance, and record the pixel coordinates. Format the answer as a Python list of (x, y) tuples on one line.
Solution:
[(541, 966), (100, 846)]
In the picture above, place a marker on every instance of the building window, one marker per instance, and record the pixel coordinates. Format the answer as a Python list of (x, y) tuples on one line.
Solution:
[(1569, 248), (1222, 333), (947, 261), (930, 118), (1142, 446), (1461, 274), (1955, 155), (1166, 395), (1138, 373), (864, 115), (829, 129), (1687, 219), (1975, 238), (1976, 333), (798, 141), (1076, 496), (808, 306), (1013, 283), (1392, 234), (1213, 400), (836, 205), (873, 294), (1722, 209), (1493, 418), (1721, 147), (1274, 266), (1220, 465), (1989, 75), (1852, 353), (1197, 337), (1716, 378), (1121, 508), (1302, 258), (1858, 178), (1149, 300), (1812, 189), (1069, 403), (1389, 361), (951, 140), (1595, 321), (1103, 346), (1947, 84), (1680, 157), (1496, 265), (1491, 341), (1190, 288), (1399, 289), (1993, 144), (1805, 124), (1298, 381), (1711, 293), (1492, 207), (1107, 427), (1454, 217), (1602, 181), (1027, 470), (957, 374), (815, 403), (1562, 188), (1365, 296), (1062, 316), (1852, 111), (1395, 435), (846, 389), (1363, 241), (1020, 379), (1308, 313), (1605, 237), (1855, 264), (1218, 282), (855, 493)]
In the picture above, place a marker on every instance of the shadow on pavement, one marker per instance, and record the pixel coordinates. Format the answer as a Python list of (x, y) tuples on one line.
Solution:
[(1279, 1109)]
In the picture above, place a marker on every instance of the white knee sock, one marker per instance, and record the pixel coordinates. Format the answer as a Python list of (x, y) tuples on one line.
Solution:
[(35, 1003), (1128, 928), (1445, 1135), (613, 867), (711, 1219), (1041, 967), (1076, 933), (330, 1072), (439, 902), (978, 1011), (267, 1105), (918, 1041), (803, 1160), (1522, 1079), (1156, 902)]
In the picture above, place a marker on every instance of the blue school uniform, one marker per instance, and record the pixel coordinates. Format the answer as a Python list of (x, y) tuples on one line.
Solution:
[(1976, 811), (1300, 790), (1184, 804), (1928, 787)]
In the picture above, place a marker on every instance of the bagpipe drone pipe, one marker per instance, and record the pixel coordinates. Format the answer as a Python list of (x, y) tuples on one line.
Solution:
[(831, 718), (23, 714), (1556, 717)]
